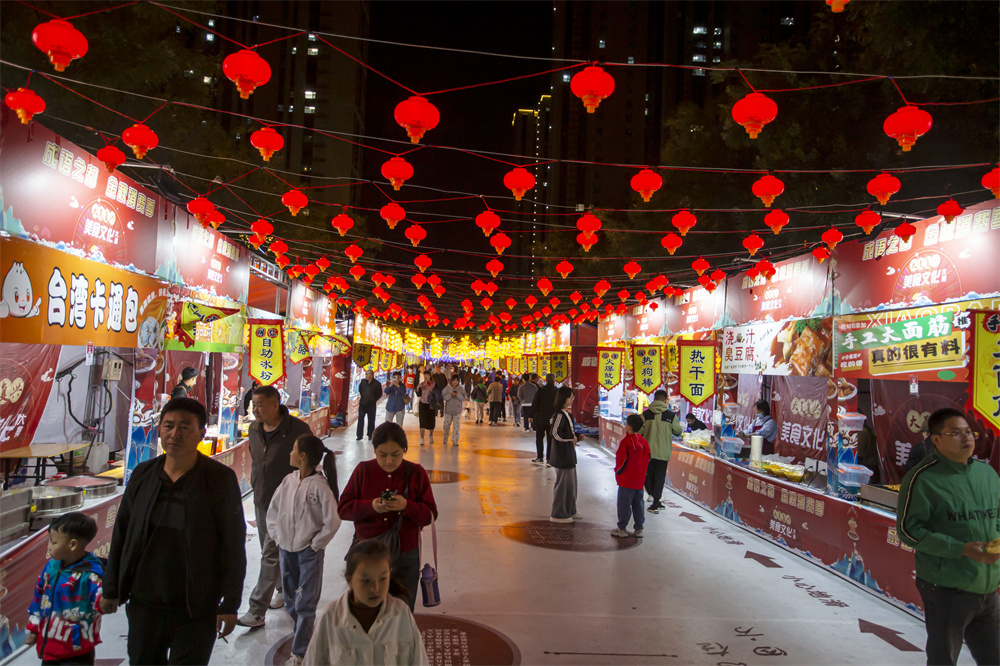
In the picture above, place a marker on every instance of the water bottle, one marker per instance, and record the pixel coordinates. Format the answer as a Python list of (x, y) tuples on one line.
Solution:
[(429, 586)]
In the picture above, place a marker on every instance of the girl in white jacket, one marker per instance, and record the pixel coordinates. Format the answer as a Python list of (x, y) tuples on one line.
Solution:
[(302, 518), (368, 625)]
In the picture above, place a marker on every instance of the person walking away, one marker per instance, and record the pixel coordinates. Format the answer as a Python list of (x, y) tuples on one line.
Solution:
[(563, 458), (428, 407), (369, 392), (271, 438), (468, 383), (390, 493), (64, 621), (453, 396), (189, 377), (526, 394), (395, 403), (631, 461), (440, 381), (303, 519), (479, 395), (370, 623), (659, 428), (947, 512), (178, 554), (543, 412), (495, 396), (502, 378), (515, 402), (410, 384)]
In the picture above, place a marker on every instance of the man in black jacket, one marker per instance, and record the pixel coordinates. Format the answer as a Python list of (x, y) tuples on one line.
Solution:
[(369, 390), (271, 437), (543, 407), (177, 553)]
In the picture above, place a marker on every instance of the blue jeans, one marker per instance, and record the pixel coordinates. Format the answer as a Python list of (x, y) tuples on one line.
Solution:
[(630, 505), (302, 581)]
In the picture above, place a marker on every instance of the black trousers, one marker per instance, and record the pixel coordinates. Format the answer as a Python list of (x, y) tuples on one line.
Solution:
[(168, 636), (363, 411), (543, 444), (85, 659), (656, 476), (952, 616), (496, 410), (526, 415), (406, 570)]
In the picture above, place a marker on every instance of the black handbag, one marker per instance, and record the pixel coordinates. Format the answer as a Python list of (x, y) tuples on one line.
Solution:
[(391, 536)]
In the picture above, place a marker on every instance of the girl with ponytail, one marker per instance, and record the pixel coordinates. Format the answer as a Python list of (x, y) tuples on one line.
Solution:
[(303, 519)]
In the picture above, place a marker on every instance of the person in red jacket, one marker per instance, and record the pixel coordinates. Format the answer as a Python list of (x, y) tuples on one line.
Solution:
[(631, 461), (390, 493)]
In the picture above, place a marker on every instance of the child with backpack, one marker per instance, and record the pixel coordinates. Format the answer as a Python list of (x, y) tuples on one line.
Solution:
[(369, 624), (303, 519), (631, 462)]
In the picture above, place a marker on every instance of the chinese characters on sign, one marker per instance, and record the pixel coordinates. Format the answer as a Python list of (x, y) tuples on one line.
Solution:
[(267, 353), (560, 366), (854, 335), (532, 363), (546, 365), (609, 369), (986, 373), (298, 345), (362, 354), (697, 370), (647, 368)]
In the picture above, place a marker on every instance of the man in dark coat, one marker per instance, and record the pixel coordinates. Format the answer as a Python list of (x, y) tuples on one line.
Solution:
[(271, 437), (189, 377), (543, 407), (177, 554), (369, 391)]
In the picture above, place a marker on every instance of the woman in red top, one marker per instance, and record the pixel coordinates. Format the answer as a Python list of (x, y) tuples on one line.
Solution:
[(411, 507)]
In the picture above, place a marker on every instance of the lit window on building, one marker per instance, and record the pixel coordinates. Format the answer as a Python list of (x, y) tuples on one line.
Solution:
[(209, 37), (699, 30), (631, 60), (312, 37), (310, 94), (291, 107), (787, 20), (698, 72), (567, 77), (295, 50), (698, 57), (313, 51), (211, 23), (716, 59), (206, 79), (600, 43), (310, 109), (717, 31), (717, 45)]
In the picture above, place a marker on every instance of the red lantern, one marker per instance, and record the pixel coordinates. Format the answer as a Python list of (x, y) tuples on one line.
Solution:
[(488, 221), (312, 270), (991, 181), (433, 280), (415, 233), (519, 181), (262, 227), (700, 265), (282, 261), (717, 276), (868, 220), (423, 262), (323, 263), (765, 268), (632, 269), (710, 287), (25, 103), (439, 291), (589, 224), (500, 242), (704, 280), (671, 242), (531, 302), (200, 207), (882, 187), (752, 243), (683, 221), (564, 268), (267, 141), (60, 41), (490, 288), (477, 286), (949, 210), (388, 281), (767, 188), (837, 6), (392, 213), (279, 247), (592, 85), (821, 254), (247, 70), (646, 182), (295, 201), (418, 280), (397, 171), (576, 297), (554, 302), (586, 240), (906, 125), (417, 115), (776, 219), (140, 139), (494, 266), (753, 112), (112, 157), (510, 303), (357, 272), (353, 252), (255, 241), (905, 231), (215, 218), (342, 223), (486, 303), (545, 286), (831, 237), (624, 295)]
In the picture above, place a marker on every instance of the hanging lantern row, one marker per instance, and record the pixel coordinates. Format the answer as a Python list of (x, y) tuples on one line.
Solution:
[(392, 213)]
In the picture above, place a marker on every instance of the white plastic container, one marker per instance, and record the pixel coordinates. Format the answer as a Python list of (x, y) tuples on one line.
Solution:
[(731, 445), (853, 475), (851, 422)]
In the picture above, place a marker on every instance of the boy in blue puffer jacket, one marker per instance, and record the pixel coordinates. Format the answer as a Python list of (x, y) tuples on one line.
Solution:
[(64, 621)]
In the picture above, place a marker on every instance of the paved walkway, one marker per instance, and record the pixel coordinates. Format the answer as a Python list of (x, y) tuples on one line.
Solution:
[(686, 594)]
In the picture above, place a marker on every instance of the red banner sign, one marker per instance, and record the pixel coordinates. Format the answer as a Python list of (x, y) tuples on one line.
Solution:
[(202, 258), (800, 288), (26, 376), (701, 310), (801, 409)]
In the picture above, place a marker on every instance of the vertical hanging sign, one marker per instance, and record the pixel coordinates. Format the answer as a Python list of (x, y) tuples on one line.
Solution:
[(298, 345), (647, 368), (609, 368), (546, 363), (985, 353), (267, 354), (560, 366), (697, 370), (532, 363), (362, 355)]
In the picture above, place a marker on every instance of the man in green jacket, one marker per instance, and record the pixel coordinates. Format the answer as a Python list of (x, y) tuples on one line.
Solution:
[(949, 512), (659, 428)]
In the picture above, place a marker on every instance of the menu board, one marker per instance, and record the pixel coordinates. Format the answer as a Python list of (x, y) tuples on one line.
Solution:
[(799, 347)]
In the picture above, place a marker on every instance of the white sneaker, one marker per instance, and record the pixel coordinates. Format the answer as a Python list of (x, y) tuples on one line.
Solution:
[(277, 600), (294, 661), (553, 519), (620, 533), (251, 620)]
